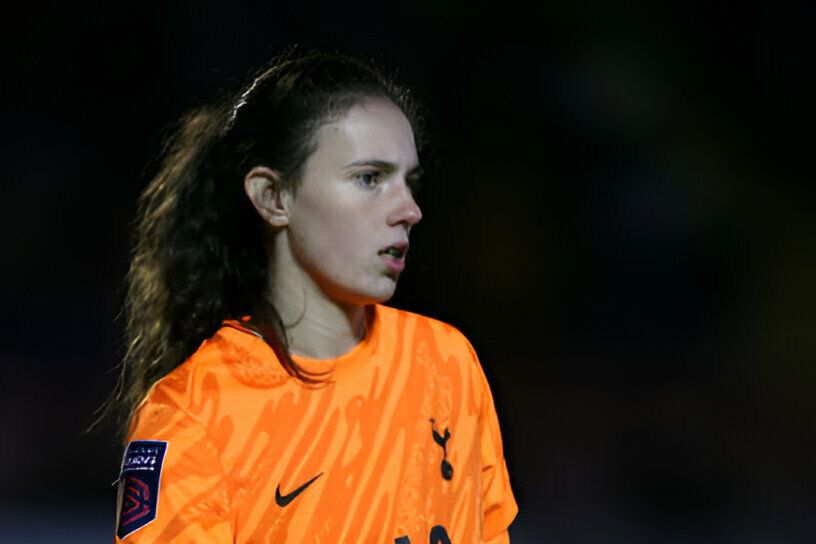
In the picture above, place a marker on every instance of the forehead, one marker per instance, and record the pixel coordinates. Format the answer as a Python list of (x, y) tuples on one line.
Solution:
[(370, 130)]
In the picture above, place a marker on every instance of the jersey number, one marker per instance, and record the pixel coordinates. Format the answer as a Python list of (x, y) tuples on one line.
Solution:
[(438, 536)]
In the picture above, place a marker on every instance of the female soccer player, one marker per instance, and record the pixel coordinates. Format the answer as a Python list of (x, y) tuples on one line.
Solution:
[(271, 396)]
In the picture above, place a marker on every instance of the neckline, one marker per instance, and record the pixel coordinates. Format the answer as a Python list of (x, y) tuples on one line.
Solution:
[(324, 369), (346, 363)]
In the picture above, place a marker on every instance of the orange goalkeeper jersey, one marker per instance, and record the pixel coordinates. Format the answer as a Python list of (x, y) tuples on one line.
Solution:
[(399, 444)]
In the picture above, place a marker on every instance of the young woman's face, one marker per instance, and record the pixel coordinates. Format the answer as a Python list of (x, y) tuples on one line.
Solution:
[(352, 212)]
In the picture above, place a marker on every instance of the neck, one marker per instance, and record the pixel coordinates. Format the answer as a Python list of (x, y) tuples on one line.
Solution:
[(316, 326)]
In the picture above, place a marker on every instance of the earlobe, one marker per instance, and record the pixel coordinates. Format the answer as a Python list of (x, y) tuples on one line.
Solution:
[(264, 188)]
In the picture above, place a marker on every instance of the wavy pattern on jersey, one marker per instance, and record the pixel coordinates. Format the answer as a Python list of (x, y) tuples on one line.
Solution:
[(240, 430)]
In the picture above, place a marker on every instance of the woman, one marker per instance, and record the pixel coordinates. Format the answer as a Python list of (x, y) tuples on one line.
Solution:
[(271, 397)]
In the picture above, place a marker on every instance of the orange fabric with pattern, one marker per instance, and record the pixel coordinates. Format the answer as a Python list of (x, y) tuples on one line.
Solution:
[(255, 455)]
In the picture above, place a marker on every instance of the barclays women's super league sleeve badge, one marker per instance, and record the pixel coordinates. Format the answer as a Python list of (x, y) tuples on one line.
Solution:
[(138, 499)]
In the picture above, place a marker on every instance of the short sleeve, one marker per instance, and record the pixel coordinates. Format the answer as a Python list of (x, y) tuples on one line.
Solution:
[(498, 503), (172, 487)]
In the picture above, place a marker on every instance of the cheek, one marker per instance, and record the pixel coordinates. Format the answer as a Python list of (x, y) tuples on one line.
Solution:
[(331, 241)]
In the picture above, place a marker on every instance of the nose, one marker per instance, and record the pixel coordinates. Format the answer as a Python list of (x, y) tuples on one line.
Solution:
[(405, 210)]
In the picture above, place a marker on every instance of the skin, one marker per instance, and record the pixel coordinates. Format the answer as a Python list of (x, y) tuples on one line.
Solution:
[(353, 200)]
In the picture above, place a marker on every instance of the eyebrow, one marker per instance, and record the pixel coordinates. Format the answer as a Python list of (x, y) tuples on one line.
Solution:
[(416, 171)]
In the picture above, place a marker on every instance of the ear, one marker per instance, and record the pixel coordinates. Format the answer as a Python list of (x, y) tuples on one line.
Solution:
[(265, 190)]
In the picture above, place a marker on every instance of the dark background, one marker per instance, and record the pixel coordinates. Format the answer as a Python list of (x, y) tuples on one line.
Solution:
[(621, 221)]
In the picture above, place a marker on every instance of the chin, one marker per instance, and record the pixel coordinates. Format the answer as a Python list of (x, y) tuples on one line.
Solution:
[(376, 294), (379, 297)]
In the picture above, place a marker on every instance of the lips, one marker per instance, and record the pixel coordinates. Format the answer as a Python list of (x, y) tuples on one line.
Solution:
[(393, 257), (395, 251)]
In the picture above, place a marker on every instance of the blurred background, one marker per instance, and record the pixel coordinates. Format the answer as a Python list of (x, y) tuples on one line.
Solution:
[(619, 219)]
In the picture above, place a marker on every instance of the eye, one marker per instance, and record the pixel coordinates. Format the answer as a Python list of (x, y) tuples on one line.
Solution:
[(368, 179)]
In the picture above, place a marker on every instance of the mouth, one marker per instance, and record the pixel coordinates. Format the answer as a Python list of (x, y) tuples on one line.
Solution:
[(395, 251), (393, 258)]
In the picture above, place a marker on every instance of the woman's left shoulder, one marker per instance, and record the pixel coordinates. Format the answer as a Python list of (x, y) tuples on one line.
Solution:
[(446, 338)]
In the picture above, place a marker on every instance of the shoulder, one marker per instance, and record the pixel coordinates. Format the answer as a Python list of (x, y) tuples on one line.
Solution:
[(446, 351), (223, 367), (445, 339), (390, 314), (443, 345)]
